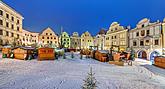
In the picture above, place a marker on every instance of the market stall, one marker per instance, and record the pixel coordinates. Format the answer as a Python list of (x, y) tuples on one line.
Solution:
[(46, 54), (23, 53)]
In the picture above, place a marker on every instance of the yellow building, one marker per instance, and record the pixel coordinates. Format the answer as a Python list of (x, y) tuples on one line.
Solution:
[(29, 38), (116, 37), (48, 36), (163, 34), (10, 25), (86, 40)]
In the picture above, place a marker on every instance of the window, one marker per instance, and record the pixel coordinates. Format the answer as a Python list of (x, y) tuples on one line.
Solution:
[(137, 34), (7, 24), (51, 37), (1, 32), (43, 42), (107, 38), (115, 37), (48, 42), (64, 39), (17, 28), (156, 42), (46, 33), (51, 42), (18, 36), (141, 43), (147, 42), (112, 37), (12, 18), (148, 32), (134, 43), (12, 35), (142, 25), (1, 12), (12, 26), (47, 37), (7, 16), (54, 37), (50, 33), (7, 33), (1, 22), (43, 38), (17, 21), (142, 32)]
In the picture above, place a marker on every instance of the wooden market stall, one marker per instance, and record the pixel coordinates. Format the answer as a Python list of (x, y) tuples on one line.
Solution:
[(6, 51), (101, 55), (46, 54), (160, 61), (23, 53)]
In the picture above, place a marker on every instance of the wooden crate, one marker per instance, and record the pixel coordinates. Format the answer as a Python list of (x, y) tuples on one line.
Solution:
[(46, 54)]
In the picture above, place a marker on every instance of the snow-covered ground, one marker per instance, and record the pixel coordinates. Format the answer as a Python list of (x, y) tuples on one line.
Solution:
[(69, 74)]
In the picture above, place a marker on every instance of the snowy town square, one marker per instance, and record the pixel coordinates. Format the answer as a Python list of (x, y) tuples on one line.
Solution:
[(70, 73), (82, 44)]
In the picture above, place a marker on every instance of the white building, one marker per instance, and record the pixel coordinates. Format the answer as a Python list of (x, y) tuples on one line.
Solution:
[(146, 39)]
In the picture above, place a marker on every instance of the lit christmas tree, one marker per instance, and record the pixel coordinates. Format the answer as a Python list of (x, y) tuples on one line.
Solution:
[(90, 82)]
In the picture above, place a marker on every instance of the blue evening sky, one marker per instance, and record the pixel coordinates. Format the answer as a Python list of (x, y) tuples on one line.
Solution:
[(85, 15)]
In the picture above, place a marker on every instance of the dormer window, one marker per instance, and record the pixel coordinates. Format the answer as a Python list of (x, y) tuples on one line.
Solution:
[(142, 25)]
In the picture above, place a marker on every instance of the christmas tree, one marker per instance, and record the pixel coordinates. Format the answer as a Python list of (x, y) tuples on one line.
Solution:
[(90, 82)]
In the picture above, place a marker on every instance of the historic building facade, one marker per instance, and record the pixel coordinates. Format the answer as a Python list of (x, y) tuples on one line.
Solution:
[(75, 41), (86, 40), (116, 37), (29, 38), (163, 38), (64, 40), (99, 40), (146, 39), (10, 25), (48, 36)]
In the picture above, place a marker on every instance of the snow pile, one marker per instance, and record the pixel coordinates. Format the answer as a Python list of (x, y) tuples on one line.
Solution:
[(69, 74)]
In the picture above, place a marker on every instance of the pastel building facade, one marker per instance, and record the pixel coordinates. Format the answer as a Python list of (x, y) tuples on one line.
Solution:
[(99, 40), (64, 40), (116, 37), (10, 25), (86, 40), (163, 38), (75, 41), (48, 36), (29, 38), (146, 39)]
